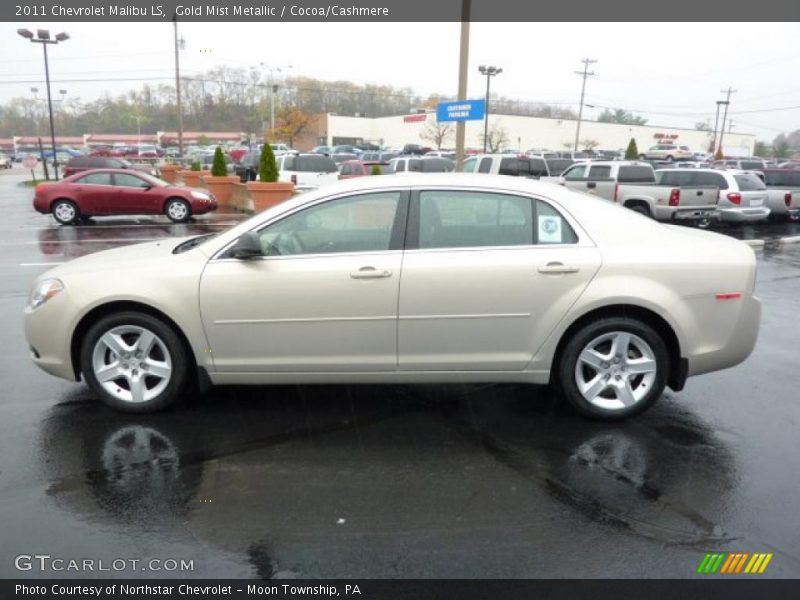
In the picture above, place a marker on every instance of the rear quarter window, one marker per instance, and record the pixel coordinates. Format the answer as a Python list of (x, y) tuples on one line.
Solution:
[(636, 174)]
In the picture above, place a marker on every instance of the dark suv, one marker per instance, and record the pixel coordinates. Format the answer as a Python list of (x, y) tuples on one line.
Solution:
[(84, 163)]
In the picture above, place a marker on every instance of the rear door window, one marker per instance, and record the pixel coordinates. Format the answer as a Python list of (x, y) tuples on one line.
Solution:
[(485, 165), (597, 172), (703, 179)]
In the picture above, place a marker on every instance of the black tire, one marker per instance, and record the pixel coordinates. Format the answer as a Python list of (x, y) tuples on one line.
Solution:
[(639, 208), (642, 157), (670, 158), (566, 372), (65, 211), (177, 210), (176, 355)]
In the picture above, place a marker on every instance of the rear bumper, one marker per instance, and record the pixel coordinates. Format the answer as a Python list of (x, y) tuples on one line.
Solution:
[(695, 214), (743, 215)]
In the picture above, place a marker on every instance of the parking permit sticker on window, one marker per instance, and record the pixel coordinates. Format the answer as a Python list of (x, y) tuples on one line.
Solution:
[(549, 229)]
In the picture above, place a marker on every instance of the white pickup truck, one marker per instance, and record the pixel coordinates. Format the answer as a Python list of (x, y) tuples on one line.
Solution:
[(633, 185)]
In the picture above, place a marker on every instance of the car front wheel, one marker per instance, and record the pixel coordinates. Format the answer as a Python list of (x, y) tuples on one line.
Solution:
[(613, 368), (177, 210), (134, 362)]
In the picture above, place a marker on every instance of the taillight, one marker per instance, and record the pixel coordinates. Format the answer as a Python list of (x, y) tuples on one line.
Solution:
[(675, 197), (294, 179), (735, 198), (787, 199), (616, 192), (40, 189)]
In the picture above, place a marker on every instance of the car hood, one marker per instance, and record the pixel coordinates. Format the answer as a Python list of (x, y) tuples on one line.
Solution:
[(118, 259)]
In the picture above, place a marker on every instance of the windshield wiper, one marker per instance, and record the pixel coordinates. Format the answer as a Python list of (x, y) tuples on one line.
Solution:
[(191, 243)]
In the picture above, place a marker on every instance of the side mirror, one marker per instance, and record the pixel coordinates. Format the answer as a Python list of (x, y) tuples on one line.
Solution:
[(247, 246)]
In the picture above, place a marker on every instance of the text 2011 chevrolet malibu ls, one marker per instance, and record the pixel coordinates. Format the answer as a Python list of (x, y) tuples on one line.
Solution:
[(425, 278)]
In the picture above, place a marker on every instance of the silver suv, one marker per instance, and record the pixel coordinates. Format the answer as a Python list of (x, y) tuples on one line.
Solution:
[(742, 194), (668, 152)]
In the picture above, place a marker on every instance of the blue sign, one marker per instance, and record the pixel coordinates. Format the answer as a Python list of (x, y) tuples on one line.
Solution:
[(464, 110)]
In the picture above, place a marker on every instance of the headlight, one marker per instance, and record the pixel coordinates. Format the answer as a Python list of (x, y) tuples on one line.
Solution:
[(201, 196), (43, 292)]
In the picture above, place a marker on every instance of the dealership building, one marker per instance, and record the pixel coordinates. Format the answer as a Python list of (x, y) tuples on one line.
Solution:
[(522, 133)]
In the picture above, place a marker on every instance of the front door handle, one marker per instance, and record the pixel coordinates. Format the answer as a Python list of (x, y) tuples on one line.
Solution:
[(557, 267), (370, 273)]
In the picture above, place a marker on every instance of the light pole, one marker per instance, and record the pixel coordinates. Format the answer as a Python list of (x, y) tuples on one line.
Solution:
[(43, 38), (179, 44), (273, 87), (489, 72), (138, 128)]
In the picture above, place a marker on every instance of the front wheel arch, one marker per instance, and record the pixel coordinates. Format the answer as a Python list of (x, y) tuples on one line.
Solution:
[(677, 370), (79, 333)]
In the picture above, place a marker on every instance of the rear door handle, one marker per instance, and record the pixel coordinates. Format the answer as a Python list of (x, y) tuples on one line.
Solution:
[(557, 267), (370, 273), (699, 192), (591, 185)]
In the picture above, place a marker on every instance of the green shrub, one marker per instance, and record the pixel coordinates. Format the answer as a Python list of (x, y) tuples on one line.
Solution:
[(218, 167), (267, 167), (632, 153), (376, 170), (195, 166)]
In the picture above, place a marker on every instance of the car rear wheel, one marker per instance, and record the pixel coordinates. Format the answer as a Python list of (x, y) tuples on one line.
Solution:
[(639, 208), (613, 368), (134, 362), (65, 212), (177, 210), (670, 158), (642, 157)]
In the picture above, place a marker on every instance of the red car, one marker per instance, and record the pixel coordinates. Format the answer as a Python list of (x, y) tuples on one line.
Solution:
[(361, 168), (102, 192)]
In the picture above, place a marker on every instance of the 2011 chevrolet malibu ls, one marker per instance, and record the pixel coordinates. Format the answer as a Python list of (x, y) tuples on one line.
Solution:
[(423, 278)]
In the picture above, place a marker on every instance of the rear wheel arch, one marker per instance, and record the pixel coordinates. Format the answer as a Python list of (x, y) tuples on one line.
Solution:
[(639, 205), (98, 312), (676, 375)]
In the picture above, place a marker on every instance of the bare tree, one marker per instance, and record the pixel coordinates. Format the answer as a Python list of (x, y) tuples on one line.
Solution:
[(589, 144), (437, 133), (496, 138)]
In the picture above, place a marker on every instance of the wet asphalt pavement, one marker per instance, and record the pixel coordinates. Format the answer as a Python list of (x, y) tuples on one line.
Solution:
[(393, 481)]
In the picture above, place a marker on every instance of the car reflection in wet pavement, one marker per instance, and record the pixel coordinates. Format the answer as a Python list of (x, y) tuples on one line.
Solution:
[(336, 479)]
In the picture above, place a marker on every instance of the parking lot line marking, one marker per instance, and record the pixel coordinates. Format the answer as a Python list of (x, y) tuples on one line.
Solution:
[(46, 264), (133, 225)]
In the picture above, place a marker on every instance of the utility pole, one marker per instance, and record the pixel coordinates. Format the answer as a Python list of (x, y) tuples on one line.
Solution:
[(716, 129), (463, 63), (585, 74), (178, 85), (729, 91)]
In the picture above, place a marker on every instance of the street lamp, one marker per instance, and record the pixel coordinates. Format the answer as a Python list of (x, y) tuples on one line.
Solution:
[(43, 38), (489, 72), (272, 89)]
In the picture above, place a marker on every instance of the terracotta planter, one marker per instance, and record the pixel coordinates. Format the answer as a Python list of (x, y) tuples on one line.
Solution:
[(169, 173), (192, 178), (221, 187), (267, 194)]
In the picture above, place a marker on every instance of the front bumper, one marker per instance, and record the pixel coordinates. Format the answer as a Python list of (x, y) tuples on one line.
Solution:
[(49, 334)]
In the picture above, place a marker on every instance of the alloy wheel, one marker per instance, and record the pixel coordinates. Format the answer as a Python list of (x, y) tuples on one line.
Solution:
[(615, 370), (132, 363)]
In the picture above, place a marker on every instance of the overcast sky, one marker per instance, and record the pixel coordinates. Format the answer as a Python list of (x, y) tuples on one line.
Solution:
[(670, 73)]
